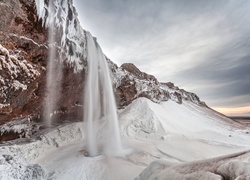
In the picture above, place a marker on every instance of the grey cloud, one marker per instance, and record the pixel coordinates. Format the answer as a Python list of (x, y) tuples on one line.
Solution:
[(220, 77), (203, 46)]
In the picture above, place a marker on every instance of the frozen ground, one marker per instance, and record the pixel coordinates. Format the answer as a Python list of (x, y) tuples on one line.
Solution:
[(170, 140)]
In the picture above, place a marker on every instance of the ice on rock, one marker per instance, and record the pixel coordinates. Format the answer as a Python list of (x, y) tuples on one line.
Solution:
[(21, 126), (40, 8), (16, 75), (72, 40)]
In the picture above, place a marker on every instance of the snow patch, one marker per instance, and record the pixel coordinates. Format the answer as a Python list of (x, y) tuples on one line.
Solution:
[(18, 86), (21, 126), (4, 105)]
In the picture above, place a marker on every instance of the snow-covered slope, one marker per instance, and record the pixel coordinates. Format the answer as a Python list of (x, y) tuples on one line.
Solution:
[(171, 133), (176, 125)]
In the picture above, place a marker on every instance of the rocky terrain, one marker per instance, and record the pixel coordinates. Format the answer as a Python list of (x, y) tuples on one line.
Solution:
[(24, 49)]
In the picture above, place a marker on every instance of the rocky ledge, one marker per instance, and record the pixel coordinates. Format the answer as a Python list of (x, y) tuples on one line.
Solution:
[(131, 83)]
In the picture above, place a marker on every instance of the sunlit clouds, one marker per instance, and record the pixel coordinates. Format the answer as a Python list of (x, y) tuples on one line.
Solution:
[(235, 111)]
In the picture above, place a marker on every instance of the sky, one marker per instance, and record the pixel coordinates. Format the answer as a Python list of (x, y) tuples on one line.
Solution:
[(202, 46)]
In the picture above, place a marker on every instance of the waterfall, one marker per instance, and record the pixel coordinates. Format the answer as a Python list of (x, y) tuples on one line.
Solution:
[(100, 111), (54, 71)]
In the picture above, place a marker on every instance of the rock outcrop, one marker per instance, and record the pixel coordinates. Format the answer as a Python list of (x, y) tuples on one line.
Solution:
[(24, 42), (131, 83), (24, 50), (22, 59)]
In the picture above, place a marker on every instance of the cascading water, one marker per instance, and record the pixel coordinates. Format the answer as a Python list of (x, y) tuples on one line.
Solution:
[(54, 71), (100, 110)]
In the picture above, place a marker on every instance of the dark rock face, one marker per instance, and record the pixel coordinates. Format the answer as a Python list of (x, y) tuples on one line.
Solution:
[(23, 60), (19, 81), (131, 68), (19, 17), (125, 92)]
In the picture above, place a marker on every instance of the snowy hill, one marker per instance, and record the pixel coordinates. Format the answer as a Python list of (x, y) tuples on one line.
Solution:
[(150, 132)]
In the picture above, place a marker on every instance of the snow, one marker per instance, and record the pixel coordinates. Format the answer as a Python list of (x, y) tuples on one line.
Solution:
[(17, 126), (235, 169), (170, 140), (234, 166), (14, 166), (18, 86), (17, 158), (4, 105)]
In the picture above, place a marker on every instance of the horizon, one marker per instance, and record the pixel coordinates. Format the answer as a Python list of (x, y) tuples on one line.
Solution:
[(200, 46)]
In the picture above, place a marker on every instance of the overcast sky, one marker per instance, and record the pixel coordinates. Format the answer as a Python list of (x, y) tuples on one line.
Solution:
[(202, 46)]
